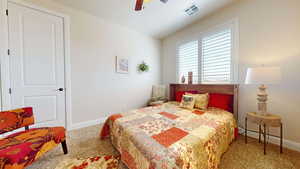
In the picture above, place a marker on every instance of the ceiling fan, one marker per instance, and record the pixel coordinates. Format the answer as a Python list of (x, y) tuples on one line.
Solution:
[(139, 4)]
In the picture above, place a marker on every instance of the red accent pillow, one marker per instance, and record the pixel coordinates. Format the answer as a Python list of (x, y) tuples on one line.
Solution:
[(179, 94), (222, 101)]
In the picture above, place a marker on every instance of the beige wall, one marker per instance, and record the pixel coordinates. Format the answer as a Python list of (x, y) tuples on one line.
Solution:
[(270, 35), (97, 90)]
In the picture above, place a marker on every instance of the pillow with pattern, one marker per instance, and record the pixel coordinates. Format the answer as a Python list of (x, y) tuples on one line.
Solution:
[(201, 100), (187, 102)]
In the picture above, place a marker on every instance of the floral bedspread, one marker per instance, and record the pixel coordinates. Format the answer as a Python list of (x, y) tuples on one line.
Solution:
[(169, 137)]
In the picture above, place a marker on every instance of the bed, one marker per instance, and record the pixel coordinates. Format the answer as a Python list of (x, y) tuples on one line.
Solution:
[(170, 137)]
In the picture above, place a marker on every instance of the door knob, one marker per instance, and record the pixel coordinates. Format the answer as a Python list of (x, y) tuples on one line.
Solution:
[(60, 89)]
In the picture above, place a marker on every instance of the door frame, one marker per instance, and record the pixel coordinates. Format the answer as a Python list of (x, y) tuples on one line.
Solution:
[(5, 97)]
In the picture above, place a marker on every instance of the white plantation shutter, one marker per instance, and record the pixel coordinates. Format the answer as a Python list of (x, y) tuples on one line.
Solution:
[(216, 57), (188, 60), (212, 58)]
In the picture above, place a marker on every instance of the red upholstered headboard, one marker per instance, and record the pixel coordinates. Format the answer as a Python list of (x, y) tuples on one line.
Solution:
[(231, 89)]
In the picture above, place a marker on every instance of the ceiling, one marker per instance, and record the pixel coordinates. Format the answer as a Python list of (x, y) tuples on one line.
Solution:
[(157, 19)]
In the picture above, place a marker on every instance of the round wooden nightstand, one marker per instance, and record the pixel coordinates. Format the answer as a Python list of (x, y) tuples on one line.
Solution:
[(269, 120)]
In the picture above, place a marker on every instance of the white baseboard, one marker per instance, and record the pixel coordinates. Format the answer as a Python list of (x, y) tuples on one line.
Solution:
[(87, 124), (274, 140)]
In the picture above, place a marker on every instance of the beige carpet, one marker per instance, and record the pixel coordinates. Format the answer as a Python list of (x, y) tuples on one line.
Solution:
[(85, 143)]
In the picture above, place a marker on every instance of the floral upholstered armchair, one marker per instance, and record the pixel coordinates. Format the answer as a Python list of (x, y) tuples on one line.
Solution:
[(21, 149)]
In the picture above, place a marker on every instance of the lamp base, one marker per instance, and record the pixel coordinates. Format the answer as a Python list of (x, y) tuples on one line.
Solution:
[(262, 98)]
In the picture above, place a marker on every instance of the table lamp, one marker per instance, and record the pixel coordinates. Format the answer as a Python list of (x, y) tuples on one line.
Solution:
[(262, 76)]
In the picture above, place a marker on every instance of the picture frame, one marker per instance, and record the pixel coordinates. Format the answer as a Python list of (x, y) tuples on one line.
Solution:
[(122, 65)]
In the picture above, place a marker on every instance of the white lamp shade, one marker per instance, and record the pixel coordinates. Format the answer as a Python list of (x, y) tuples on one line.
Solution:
[(263, 75)]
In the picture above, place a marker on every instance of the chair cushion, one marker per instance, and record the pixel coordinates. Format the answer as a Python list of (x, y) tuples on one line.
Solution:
[(23, 148)]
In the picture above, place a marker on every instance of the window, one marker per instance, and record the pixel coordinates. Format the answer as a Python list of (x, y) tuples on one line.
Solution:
[(211, 58), (188, 60), (216, 58)]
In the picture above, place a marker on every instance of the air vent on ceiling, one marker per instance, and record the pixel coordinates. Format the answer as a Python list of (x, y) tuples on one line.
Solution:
[(192, 10)]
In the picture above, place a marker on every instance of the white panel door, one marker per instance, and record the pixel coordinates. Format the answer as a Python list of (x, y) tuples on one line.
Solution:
[(36, 41)]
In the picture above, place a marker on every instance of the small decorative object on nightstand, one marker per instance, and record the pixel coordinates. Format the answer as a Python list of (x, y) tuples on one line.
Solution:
[(266, 121)]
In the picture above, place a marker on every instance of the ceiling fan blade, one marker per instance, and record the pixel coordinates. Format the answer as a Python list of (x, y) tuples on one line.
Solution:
[(164, 1), (139, 5)]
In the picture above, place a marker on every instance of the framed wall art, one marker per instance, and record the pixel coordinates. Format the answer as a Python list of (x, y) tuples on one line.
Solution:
[(122, 65)]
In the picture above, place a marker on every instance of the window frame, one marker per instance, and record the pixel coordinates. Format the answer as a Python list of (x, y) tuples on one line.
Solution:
[(233, 25)]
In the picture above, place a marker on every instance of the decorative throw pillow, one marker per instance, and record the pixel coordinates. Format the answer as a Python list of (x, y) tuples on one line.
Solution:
[(201, 101), (179, 94), (187, 102), (222, 101)]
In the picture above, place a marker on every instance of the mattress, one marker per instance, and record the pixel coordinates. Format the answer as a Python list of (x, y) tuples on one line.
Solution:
[(170, 137)]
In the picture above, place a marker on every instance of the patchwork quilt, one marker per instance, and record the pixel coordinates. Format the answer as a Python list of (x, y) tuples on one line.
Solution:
[(169, 137)]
